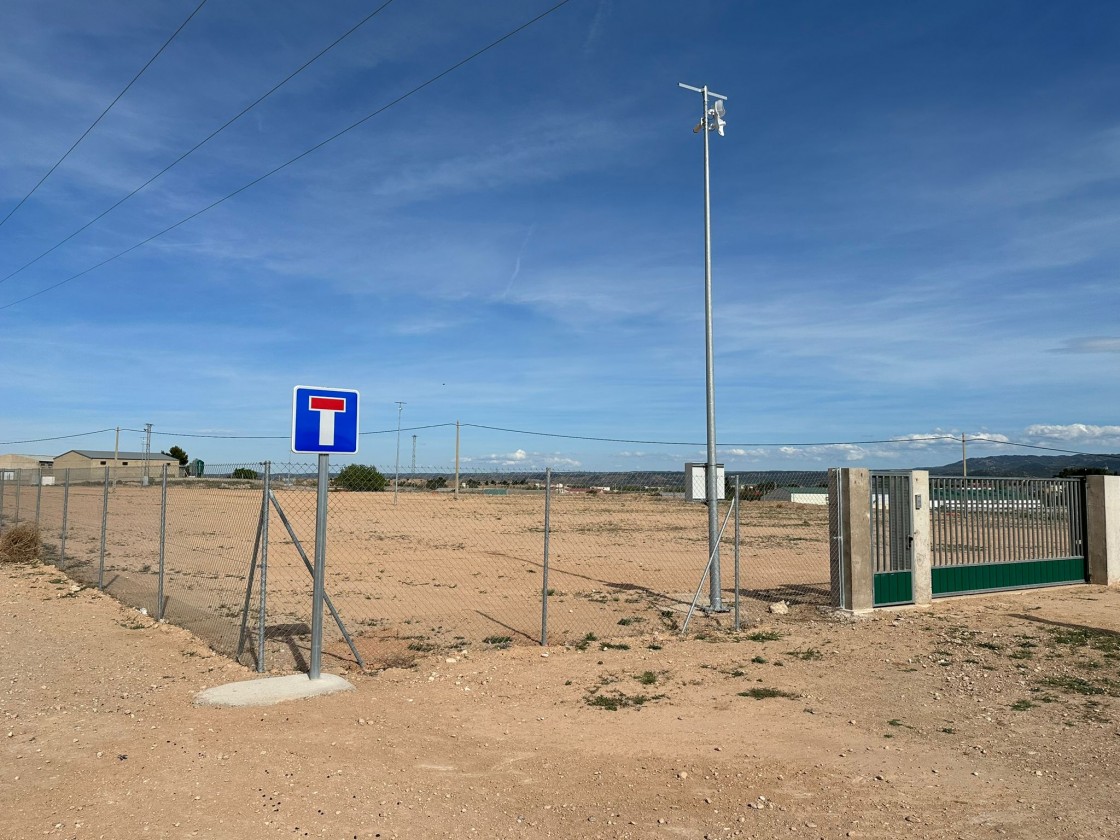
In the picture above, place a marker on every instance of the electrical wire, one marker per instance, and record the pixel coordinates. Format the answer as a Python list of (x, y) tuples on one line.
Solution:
[(93, 125), (590, 438), (694, 443), (278, 437), (59, 437), (1027, 446), (298, 157), (205, 140)]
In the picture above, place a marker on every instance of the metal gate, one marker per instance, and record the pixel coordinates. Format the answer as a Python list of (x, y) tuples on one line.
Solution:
[(892, 538), (989, 534)]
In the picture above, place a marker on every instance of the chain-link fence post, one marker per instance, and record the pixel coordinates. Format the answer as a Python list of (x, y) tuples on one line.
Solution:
[(162, 543), (65, 512), (3, 481), (544, 580), (38, 496), (104, 528), (737, 592), (19, 484), (263, 613)]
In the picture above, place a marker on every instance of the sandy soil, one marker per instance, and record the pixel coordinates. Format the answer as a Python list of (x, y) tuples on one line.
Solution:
[(982, 717)]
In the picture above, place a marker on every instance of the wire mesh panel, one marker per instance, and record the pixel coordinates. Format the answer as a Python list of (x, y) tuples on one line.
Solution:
[(415, 567), (18, 495), (785, 537), (84, 503), (132, 542), (212, 525), (51, 509), (627, 553)]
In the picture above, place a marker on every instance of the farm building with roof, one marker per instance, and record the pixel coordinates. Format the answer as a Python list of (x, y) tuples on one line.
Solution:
[(122, 465)]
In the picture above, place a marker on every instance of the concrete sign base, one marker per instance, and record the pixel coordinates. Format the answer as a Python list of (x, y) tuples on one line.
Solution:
[(271, 690)]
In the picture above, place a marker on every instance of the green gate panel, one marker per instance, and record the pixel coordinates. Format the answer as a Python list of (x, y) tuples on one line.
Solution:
[(988, 577), (893, 588)]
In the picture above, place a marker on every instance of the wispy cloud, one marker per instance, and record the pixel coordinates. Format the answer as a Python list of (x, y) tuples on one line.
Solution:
[(1096, 344), (517, 262), (1076, 433), (521, 460)]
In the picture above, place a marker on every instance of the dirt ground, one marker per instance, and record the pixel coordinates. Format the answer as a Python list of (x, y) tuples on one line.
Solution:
[(984, 717)]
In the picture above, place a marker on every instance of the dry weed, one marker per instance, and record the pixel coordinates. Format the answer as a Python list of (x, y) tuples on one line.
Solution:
[(20, 544)]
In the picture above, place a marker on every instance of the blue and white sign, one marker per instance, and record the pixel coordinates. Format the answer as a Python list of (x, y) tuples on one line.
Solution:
[(324, 421)]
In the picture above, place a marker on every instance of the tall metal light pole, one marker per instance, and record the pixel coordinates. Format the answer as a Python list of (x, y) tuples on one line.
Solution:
[(397, 468), (711, 120)]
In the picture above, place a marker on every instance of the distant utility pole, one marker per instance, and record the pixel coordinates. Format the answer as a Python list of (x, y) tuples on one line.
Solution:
[(147, 452), (414, 455), (397, 468), (456, 459), (964, 458)]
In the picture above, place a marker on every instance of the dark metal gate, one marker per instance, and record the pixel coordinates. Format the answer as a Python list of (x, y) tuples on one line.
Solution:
[(892, 538)]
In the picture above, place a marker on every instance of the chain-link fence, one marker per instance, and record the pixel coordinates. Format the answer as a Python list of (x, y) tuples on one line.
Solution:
[(431, 562)]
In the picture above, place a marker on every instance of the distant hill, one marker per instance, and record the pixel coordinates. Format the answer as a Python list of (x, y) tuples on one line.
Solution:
[(1028, 466)]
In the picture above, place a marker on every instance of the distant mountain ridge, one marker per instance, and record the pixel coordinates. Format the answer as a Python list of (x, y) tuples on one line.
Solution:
[(1028, 466)]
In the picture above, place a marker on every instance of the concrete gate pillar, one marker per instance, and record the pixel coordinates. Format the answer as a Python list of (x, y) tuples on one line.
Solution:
[(852, 572), (921, 558), (1102, 528)]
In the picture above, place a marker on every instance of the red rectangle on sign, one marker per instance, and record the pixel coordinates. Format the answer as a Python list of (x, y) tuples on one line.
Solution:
[(328, 404)]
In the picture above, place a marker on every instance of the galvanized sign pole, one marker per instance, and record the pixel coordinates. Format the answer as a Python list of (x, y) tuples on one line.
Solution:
[(320, 568), (324, 420)]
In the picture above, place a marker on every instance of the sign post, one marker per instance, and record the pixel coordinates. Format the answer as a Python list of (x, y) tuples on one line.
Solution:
[(324, 420)]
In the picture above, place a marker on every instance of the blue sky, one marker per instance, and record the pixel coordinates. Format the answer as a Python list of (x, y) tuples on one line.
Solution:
[(914, 216)]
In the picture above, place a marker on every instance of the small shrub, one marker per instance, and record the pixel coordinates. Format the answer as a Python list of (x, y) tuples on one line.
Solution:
[(20, 544), (766, 693), (808, 655), (618, 700), (361, 478), (764, 636), (583, 643)]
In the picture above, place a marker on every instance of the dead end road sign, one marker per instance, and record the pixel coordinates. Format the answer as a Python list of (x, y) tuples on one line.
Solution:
[(324, 421)]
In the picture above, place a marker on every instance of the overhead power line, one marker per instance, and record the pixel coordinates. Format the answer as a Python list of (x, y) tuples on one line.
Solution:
[(100, 116), (298, 157), (695, 443), (1026, 445), (281, 437), (792, 444), (900, 441), (59, 437), (204, 140)]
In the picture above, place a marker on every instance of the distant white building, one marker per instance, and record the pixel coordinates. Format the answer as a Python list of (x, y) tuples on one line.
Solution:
[(798, 495)]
